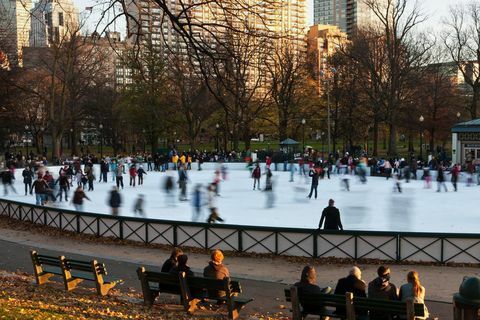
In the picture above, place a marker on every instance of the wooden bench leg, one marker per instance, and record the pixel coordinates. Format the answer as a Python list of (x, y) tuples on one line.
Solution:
[(42, 279), (193, 305), (104, 288)]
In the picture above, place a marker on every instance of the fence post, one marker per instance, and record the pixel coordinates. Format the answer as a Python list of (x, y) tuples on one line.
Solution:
[(315, 245), (78, 223), (175, 235), (276, 242), (355, 240), (441, 251), (146, 232), (349, 306), (399, 248), (240, 240), (120, 226), (206, 237)]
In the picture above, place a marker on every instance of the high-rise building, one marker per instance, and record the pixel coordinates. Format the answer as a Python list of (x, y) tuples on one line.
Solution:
[(348, 15), (53, 21), (14, 29), (322, 42)]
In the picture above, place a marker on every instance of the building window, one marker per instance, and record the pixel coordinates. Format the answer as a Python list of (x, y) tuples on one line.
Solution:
[(60, 19)]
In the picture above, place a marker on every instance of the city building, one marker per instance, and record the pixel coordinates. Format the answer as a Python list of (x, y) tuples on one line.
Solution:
[(348, 15), (322, 42), (14, 29), (53, 21)]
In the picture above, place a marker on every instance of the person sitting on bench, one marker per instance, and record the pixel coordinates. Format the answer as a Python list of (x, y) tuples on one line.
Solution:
[(216, 270), (182, 266), (352, 283), (307, 286), (172, 261)]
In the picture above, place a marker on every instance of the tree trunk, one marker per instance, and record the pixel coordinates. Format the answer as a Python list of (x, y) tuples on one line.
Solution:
[(283, 127), (410, 143), (474, 103), (375, 138), (392, 143)]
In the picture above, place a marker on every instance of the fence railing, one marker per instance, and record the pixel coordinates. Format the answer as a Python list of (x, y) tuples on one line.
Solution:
[(395, 246)]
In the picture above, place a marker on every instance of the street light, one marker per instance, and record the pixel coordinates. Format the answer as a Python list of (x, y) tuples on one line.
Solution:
[(323, 145), (101, 140), (303, 133), (329, 125), (421, 119), (458, 116), (216, 140), (26, 138), (231, 140), (144, 141)]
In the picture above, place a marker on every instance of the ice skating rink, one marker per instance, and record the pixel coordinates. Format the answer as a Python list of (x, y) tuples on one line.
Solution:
[(372, 206)]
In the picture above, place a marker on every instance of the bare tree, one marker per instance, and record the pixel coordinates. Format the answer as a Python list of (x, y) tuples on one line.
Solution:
[(462, 40)]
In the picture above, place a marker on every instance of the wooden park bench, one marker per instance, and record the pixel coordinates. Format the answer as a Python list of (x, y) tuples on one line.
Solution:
[(153, 283), (73, 272), (231, 298), (352, 305)]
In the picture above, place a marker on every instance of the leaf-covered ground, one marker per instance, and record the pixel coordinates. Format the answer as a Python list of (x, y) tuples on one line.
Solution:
[(21, 298)]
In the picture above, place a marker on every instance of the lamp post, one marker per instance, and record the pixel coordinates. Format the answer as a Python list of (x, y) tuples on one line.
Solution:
[(101, 140), (144, 141), (303, 134), (458, 116), (26, 138), (329, 124), (216, 139), (421, 119), (231, 140), (323, 145)]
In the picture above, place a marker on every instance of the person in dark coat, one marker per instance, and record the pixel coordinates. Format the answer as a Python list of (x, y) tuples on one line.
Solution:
[(182, 266), (172, 261), (27, 175), (256, 174), (140, 173), (314, 174), (441, 178), (7, 180), (115, 201), (352, 283), (78, 197), (307, 286), (216, 270), (381, 288), (103, 171), (63, 183), (331, 215)]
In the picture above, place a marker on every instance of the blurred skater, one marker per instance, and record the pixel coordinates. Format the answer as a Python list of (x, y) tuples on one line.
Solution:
[(182, 182), (441, 178), (140, 173), (7, 180), (197, 202), (269, 188), (397, 186), (78, 197), (115, 201), (345, 180), (212, 205), (168, 187), (138, 206), (256, 174)]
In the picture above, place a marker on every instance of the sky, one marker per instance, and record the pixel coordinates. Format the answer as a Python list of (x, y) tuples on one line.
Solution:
[(435, 10)]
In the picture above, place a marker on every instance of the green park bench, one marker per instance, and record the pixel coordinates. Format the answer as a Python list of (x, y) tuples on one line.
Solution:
[(73, 272), (153, 283), (352, 305), (210, 288)]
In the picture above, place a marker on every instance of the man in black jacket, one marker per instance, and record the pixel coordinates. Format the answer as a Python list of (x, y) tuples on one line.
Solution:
[(331, 215), (352, 283), (381, 288), (314, 174)]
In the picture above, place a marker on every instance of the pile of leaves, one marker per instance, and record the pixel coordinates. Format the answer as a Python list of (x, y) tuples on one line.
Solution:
[(21, 298)]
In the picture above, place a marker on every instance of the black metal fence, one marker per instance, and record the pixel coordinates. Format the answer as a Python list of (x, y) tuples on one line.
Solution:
[(396, 246)]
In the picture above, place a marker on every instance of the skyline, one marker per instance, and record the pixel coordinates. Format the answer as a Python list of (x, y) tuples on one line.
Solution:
[(435, 10)]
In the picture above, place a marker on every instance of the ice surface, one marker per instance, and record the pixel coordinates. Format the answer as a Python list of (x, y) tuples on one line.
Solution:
[(371, 206)]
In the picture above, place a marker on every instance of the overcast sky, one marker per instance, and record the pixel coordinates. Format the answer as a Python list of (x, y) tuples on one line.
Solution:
[(434, 9)]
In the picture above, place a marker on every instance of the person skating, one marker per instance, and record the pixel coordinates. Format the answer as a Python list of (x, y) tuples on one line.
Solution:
[(40, 186), (62, 181), (113, 168), (441, 178), (169, 191), (397, 186), (115, 201), (182, 183), (256, 174), (212, 205), (269, 188), (119, 175), (27, 175), (345, 180), (138, 206), (197, 202), (140, 173), (455, 172), (314, 174), (133, 174), (7, 180), (292, 168), (78, 197), (331, 215), (90, 178), (103, 171)]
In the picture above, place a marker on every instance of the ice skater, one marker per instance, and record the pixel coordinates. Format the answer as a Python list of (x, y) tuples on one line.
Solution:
[(256, 174), (314, 174), (115, 201), (197, 202), (133, 174), (78, 197), (427, 178), (292, 168), (397, 184), (138, 206), (269, 188), (7, 180), (345, 180), (27, 175), (182, 182), (140, 173), (168, 187), (441, 178), (455, 172), (212, 205)]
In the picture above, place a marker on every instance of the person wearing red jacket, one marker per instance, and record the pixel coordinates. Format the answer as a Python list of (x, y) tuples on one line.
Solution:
[(133, 174), (256, 174)]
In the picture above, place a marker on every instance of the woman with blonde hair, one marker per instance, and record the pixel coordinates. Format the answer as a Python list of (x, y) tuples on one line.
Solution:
[(413, 289)]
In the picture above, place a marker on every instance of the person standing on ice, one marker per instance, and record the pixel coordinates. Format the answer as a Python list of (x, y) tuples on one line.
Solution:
[(387, 168), (119, 175), (27, 175), (212, 205), (138, 206), (292, 168), (256, 174), (269, 188), (345, 180), (133, 174), (331, 216), (314, 174), (197, 202), (115, 201), (7, 180), (169, 191), (397, 186), (455, 172), (140, 173), (182, 182), (441, 178)]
